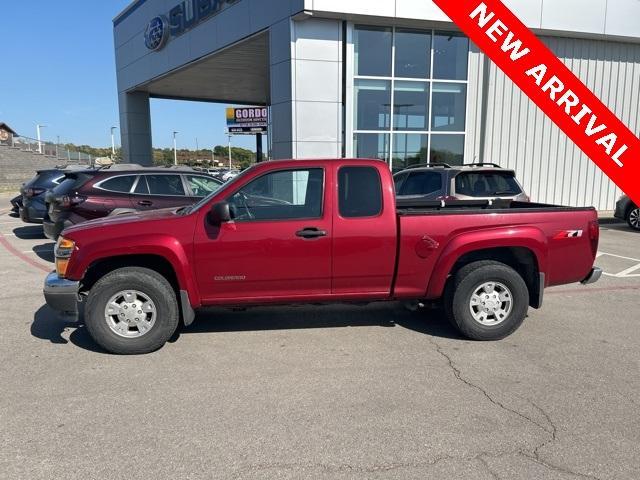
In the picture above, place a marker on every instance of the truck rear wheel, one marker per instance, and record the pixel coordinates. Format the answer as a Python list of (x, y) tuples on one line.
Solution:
[(131, 311), (487, 300)]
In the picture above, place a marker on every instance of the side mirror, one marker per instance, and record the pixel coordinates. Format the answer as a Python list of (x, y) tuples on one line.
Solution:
[(220, 213)]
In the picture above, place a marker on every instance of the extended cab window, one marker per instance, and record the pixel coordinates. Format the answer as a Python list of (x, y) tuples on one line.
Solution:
[(165, 185), (422, 183), (487, 184), (282, 195), (359, 192), (119, 184)]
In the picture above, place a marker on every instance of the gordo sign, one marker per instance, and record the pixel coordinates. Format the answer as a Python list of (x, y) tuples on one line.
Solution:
[(551, 86)]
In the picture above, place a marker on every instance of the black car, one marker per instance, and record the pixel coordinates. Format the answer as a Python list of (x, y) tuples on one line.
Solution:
[(629, 211), (32, 208), (16, 205)]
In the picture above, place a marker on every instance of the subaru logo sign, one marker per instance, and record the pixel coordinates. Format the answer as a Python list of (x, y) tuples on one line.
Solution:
[(157, 33), (181, 18)]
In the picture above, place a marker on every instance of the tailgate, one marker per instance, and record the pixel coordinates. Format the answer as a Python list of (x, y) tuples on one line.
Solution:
[(573, 238)]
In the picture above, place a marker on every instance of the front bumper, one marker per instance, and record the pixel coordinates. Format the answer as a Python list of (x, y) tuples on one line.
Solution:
[(61, 294), (593, 276)]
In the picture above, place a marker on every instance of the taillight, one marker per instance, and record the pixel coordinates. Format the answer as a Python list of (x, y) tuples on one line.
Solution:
[(71, 200), (594, 236), (32, 192)]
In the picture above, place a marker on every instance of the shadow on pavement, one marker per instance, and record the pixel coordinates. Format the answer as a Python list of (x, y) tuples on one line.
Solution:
[(426, 321), (620, 227), (48, 325), (31, 232), (45, 252)]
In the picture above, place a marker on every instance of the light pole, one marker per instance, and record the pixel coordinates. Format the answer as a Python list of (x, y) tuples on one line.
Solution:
[(113, 143), (57, 147), (175, 149), (230, 167), (38, 127)]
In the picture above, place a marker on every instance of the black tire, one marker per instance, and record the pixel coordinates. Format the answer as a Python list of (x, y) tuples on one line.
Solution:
[(633, 217), (463, 285), (153, 285)]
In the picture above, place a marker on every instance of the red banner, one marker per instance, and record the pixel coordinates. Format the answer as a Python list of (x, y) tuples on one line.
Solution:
[(551, 86)]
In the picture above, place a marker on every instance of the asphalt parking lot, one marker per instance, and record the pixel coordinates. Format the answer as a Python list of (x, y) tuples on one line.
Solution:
[(333, 392)]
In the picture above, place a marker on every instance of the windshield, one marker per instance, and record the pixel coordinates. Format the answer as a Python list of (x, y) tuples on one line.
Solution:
[(197, 206)]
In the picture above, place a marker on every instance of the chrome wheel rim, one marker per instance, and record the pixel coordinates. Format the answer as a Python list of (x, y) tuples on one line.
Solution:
[(491, 303), (130, 314), (634, 218)]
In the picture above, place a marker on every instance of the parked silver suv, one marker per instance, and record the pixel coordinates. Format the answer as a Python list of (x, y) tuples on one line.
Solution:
[(475, 181)]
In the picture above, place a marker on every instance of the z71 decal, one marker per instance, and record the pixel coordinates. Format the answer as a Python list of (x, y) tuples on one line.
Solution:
[(569, 234)]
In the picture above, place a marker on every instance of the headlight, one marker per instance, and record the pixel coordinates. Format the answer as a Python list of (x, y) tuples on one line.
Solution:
[(63, 252)]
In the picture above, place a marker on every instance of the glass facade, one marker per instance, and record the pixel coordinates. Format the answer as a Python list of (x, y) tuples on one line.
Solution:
[(410, 89)]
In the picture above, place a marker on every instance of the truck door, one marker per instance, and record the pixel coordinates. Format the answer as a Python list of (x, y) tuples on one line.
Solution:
[(278, 246), (364, 234)]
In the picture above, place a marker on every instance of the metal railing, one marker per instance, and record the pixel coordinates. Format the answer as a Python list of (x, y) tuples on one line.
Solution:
[(49, 149)]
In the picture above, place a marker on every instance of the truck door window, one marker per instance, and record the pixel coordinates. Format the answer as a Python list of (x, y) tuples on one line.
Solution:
[(359, 192), (281, 195)]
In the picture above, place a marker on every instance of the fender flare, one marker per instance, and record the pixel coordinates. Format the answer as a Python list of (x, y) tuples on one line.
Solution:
[(530, 238), (160, 245)]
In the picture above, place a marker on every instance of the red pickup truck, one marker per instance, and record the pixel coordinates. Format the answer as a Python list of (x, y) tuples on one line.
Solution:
[(317, 231)]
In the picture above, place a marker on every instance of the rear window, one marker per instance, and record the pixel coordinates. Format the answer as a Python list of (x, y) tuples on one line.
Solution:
[(422, 183), (71, 183), (46, 179), (487, 184), (359, 192), (118, 184)]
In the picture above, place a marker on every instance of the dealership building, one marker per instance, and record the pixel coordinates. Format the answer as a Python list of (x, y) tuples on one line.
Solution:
[(389, 79)]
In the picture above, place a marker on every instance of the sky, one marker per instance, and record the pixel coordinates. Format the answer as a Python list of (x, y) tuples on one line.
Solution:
[(58, 69)]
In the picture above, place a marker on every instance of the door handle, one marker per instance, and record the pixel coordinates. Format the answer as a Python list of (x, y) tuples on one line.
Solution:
[(311, 232), (145, 203)]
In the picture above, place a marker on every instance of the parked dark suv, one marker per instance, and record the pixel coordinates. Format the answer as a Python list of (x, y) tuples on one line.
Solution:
[(476, 181), (87, 195), (629, 211), (31, 206)]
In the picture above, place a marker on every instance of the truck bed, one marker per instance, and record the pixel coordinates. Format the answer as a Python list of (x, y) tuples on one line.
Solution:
[(435, 235), (451, 207)]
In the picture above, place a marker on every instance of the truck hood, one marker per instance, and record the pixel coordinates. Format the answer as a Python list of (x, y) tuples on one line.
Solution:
[(133, 217)]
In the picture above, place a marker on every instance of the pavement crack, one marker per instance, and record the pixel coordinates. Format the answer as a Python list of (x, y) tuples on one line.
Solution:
[(458, 374), (551, 430), (535, 457), (382, 467), (484, 462)]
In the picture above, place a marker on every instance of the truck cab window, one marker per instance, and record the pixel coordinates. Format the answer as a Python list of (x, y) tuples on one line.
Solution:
[(281, 195), (359, 192)]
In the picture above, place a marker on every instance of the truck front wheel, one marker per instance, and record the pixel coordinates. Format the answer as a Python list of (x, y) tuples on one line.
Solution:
[(131, 311), (487, 300)]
